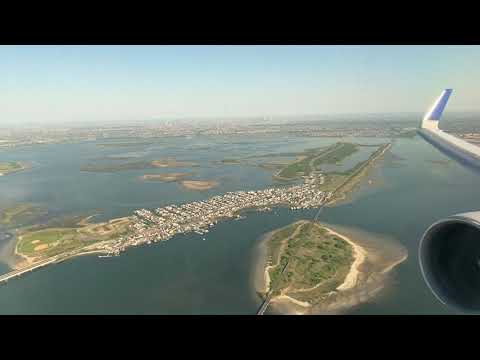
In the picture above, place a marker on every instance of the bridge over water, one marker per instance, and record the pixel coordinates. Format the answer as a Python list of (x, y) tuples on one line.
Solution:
[(263, 307), (12, 274)]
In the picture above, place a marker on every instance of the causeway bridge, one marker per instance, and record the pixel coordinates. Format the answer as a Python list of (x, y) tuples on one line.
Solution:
[(263, 307), (12, 274), (53, 259)]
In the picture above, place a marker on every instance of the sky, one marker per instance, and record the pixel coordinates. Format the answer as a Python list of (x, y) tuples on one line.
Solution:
[(65, 84)]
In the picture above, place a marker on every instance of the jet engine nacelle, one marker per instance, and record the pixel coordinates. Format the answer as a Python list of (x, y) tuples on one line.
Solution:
[(449, 257)]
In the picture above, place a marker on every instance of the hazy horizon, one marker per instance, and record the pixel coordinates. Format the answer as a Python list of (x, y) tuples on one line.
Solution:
[(86, 84), (280, 119)]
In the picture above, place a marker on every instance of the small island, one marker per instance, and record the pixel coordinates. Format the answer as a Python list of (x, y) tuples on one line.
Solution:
[(11, 167), (136, 165), (166, 177), (58, 240), (230, 161), (171, 162), (311, 160), (307, 261), (199, 185), (309, 268)]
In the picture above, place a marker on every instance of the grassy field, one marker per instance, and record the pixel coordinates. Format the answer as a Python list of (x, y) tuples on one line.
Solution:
[(9, 167), (43, 240), (342, 182), (316, 261), (53, 241), (312, 160), (275, 242), (342, 151)]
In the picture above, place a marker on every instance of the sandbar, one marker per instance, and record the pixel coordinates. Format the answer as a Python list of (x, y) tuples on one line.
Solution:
[(167, 177), (199, 185)]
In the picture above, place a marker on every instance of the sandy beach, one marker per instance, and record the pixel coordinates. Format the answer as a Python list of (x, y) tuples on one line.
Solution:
[(395, 263), (304, 304), (170, 162), (359, 254), (166, 177), (199, 185), (379, 255)]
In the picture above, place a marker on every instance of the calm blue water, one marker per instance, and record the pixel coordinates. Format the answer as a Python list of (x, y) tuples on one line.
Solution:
[(362, 154), (188, 275)]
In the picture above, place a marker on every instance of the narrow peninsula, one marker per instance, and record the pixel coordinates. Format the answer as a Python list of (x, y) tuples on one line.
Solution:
[(330, 255)]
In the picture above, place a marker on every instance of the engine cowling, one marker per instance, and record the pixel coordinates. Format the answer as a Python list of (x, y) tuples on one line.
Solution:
[(449, 257)]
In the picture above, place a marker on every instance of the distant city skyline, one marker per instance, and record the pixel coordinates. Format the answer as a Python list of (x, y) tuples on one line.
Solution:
[(65, 84)]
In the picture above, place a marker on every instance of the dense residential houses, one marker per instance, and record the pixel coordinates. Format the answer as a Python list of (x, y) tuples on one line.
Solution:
[(163, 223)]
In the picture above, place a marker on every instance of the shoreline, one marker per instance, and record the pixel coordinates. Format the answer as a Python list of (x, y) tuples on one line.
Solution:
[(359, 258), (369, 274), (350, 279), (198, 185), (17, 261), (165, 177), (265, 286), (395, 263), (304, 304), (15, 267)]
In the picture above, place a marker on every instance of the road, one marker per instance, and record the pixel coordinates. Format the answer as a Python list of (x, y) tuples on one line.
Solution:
[(265, 302), (5, 277), (58, 258)]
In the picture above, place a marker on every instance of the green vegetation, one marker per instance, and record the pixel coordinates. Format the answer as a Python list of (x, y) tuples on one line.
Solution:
[(285, 154), (10, 167), (54, 241), (340, 152), (21, 214), (275, 242), (271, 166), (342, 182), (312, 159), (333, 181), (44, 239), (307, 261)]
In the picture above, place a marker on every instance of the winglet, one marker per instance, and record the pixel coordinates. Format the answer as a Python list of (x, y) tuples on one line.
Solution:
[(431, 118)]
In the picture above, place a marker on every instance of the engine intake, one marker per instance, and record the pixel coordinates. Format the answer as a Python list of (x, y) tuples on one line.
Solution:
[(449, 257)]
